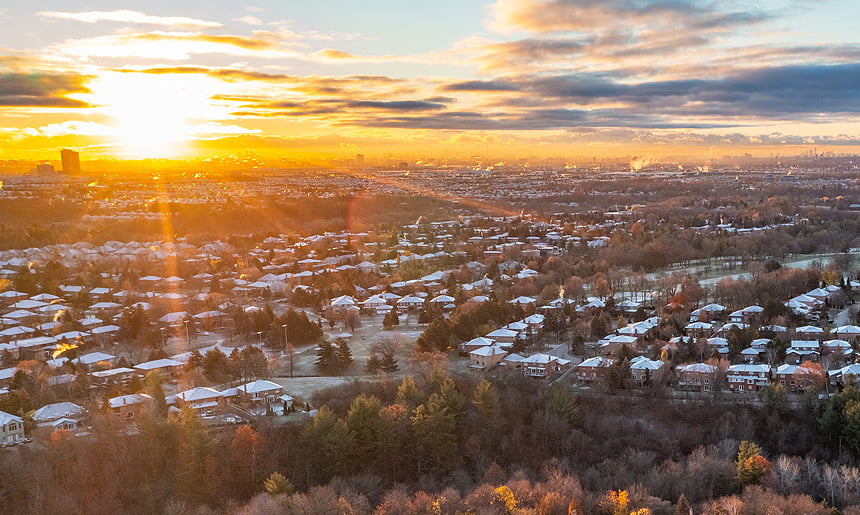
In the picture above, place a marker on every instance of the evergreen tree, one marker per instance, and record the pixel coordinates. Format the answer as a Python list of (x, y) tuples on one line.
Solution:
[(278, 484), (388, 363), (436, 435), (372, 366), (326, 357), (391, 319), (408, 394), (751, 465), (683, 507), (344, 355)]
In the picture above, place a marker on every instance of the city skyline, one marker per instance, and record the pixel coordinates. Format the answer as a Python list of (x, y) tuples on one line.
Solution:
[(505, 78)]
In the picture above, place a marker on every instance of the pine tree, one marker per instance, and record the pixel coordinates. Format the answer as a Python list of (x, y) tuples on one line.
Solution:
[(326, 357), (391, 319), (372, 366), (278, 484), (435, 432), (408, 394), (683, 507), (344, 355)]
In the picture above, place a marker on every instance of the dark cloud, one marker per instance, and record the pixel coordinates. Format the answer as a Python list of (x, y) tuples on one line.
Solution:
[(480, 85), (41, 89), (774, 92)]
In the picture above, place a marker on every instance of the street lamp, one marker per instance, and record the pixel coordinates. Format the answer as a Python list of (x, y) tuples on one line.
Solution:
[(260, 334), (285, 335), (162, 338)]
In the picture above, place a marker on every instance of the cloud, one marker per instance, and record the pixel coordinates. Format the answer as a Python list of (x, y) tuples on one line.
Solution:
[(480, 86), (545, 16), (582, 34), (250, 20), (39, 89), (127, 16), (69, 128), (226, 74), (179, 45), (772, 92)]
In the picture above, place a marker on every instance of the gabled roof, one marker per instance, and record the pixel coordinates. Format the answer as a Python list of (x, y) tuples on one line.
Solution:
[(126, 400), (597, 362), (260, 385), (198, 394), (489, 350), (5, 418), (57, 410)]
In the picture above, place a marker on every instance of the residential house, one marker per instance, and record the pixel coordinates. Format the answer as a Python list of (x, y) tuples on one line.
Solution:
[(129, 407), (503, 337), (476, 343), (201, 399), (409, 303), (838, 349), (168, 368), (699, 329), (841, 375), (849, 333), (796, 378), (748, 378), (593, 369), (809, 332), (544, 366), (50, 413), (803, 350), (260, 392), (645, 370), (11, 429), (342, 303), (697, 377), (485, 358)]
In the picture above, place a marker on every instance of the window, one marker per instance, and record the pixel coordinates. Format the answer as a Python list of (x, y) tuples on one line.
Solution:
[(13, 426)]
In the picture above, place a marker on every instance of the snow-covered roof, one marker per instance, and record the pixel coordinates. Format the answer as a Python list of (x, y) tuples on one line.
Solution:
[(126, 400), (259, 386), (57, 410)]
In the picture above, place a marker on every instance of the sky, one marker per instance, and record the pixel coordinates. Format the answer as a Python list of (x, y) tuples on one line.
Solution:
[(450, 78)]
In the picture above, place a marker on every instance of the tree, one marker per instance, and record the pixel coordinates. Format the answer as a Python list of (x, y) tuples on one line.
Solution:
[(561, 401), (195, 454), (326, 357), (408, 394), (435, 434), (391, 319), (216, 366), (278, 484), (372, 366), (245, 453), (600, 325), (387, 348), (344, 355), (751, 466), (437, 337), (364, 421), (774, 397), (683, 507), (615, 502)]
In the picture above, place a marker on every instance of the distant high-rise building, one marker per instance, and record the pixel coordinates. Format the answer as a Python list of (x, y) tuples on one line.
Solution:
[(71, 161)]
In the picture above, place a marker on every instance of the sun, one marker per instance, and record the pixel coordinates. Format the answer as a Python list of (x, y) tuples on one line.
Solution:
[(153, 115)]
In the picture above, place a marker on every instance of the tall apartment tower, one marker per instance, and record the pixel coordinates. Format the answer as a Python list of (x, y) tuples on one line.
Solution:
[(71, 161)]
